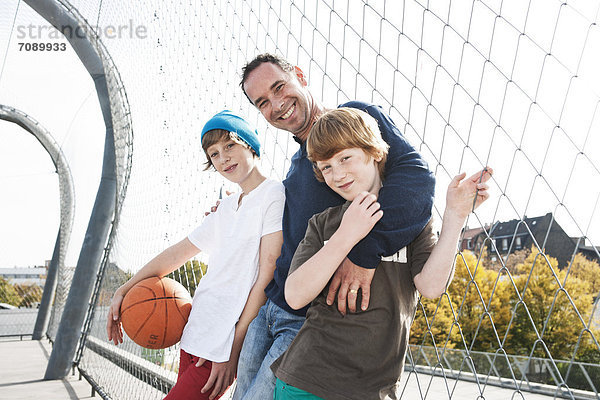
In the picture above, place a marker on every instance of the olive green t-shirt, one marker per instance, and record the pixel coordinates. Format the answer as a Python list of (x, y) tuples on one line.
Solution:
[(360, 355)]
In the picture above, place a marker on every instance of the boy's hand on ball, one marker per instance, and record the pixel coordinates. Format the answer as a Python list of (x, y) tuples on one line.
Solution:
[(113, 322)]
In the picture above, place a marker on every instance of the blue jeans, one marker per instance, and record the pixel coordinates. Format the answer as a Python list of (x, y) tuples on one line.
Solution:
[(268, 336)]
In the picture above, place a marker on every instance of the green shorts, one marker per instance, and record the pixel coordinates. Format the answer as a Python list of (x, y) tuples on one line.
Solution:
[(283, 391)]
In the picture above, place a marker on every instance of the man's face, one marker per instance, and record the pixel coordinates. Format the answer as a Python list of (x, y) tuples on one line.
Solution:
[(350, 172), (282, 98)]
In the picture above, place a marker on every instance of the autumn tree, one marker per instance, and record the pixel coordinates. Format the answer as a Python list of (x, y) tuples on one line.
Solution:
[(434, 324), (480, 296), (586, 270), (529, 307), (8, 294), (551, 310), (189, 274), (30, 295), (479, 299), (516, 258)]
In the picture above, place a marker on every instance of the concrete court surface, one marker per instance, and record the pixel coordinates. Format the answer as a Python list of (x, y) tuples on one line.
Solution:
[(422, 386), (23, 364), (22, 368)]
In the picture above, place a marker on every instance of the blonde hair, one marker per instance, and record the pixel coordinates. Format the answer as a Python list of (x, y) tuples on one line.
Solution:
[(345, 128), (220, 135)]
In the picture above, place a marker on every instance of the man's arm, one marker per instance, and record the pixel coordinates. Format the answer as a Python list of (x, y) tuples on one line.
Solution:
[(406, 199), (306, 282), (462, 197)]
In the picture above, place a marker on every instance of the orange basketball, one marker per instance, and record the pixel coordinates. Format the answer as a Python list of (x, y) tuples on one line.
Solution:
[(154, 312)]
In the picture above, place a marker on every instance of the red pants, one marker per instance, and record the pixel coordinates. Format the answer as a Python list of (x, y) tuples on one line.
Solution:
[(191, 379)]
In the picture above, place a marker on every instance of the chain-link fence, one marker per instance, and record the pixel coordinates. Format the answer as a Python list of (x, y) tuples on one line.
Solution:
[(510, 84)]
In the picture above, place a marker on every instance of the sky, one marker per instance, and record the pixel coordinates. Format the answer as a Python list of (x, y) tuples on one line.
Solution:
[(55, 89), (61, 96)]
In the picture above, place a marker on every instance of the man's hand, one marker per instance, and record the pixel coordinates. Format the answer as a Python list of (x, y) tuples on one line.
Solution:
[(214, 208), (113, 321), (348, 278), (221, 376)]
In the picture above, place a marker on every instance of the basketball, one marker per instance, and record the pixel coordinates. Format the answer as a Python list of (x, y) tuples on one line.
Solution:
[(154, 312)]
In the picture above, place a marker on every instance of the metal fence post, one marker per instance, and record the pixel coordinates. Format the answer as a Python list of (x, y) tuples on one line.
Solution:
[(69, 330), (67, 209)]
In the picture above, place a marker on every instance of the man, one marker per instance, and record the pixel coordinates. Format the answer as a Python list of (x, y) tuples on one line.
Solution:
[(280, 91)]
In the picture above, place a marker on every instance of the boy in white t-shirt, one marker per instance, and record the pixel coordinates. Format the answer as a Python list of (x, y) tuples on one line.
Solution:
[(243, 239)]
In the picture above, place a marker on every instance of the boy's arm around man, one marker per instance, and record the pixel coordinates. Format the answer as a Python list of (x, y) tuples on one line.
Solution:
[(406, 200), (463, 196)]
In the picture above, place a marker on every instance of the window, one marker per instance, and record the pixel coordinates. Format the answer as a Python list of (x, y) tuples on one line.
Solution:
[(518, 242), (469, 244), (504, 244)]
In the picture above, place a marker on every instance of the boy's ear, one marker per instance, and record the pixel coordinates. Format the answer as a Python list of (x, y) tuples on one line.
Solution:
[(378, 158), (300, 75)]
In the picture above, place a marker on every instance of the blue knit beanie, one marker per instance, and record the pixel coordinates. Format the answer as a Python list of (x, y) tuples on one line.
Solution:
[(231, 122)]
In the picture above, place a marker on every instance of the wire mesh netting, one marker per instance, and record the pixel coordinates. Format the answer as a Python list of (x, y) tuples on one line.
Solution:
[(510, 84)]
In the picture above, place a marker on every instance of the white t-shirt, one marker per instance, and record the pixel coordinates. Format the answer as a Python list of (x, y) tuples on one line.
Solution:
[(231, 237)]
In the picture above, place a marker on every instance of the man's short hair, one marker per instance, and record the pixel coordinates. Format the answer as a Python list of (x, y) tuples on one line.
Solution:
[(220, 135), (345, 128), (260, 59)]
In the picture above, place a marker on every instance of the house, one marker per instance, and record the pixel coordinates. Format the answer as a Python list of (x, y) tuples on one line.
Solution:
[(472, 238), (510, 236), (25, 276)]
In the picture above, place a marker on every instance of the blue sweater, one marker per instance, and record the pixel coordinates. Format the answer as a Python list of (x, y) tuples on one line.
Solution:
[(406, 199)]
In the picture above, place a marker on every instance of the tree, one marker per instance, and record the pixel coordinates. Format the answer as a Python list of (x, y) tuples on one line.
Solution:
[(552, 309), (588, 271), (8, 294), (516, 258), (441, 331), (480, 296), (189, 274), (530, 308), (473, 290), (30, 295)]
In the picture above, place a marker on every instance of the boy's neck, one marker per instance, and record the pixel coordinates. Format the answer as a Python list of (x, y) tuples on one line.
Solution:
[(252, 181), (377, 185), (375, 190)]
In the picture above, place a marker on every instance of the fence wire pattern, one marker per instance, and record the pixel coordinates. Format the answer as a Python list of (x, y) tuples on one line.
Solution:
[(511, 84)]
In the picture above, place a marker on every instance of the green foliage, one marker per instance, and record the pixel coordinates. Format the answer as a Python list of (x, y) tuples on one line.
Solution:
[(113, 278), (189, 274), (533, 307), (8, 293), (30, 295), (441, 331), (20, 295), (588, 271), (555, 305)]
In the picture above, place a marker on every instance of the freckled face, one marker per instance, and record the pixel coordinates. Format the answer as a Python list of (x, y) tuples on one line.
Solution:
[(282, 98), (350, 172)]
